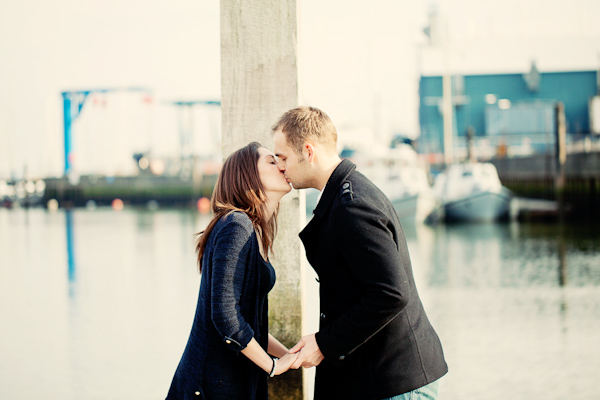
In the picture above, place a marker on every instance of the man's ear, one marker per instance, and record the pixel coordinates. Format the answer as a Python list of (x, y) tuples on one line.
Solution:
[(310, 150)]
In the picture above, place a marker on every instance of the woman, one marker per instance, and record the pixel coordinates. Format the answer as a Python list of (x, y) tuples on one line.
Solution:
[(236, 276)]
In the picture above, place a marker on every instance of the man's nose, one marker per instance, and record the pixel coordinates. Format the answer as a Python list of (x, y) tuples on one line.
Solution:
[(280, 166)]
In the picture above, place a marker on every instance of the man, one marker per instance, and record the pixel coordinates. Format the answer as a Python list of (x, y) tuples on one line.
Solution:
[(374, 341)]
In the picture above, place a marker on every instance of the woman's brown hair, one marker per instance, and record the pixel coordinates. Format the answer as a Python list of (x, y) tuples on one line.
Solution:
[(239, 188)]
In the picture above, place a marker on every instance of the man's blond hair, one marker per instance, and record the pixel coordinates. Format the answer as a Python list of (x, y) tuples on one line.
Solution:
[(307, 123)]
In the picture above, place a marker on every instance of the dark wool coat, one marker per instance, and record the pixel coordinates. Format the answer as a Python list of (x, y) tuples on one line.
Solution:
[(374, 333), (230, 312)]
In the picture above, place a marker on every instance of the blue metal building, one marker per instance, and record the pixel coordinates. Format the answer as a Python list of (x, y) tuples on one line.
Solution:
[(506, 106)]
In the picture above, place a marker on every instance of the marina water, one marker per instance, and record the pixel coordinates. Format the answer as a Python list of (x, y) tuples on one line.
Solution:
[(98, 304)]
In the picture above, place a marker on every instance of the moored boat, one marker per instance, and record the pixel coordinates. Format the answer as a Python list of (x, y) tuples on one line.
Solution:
[(397, 172), (472, 192)]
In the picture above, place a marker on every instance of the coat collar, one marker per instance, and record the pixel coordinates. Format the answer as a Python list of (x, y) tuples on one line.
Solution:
[(341, 172)]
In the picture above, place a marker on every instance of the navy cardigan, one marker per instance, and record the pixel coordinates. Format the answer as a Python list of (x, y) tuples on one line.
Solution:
[(230, 312)]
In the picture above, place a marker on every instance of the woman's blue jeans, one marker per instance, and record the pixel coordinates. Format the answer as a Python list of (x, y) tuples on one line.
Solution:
[(427, 392)]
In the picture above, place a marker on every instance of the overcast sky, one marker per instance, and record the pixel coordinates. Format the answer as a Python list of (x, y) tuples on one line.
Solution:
[(359, 62)]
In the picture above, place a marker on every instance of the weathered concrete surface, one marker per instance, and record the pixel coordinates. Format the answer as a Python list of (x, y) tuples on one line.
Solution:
[(259, 69), (259, 81)]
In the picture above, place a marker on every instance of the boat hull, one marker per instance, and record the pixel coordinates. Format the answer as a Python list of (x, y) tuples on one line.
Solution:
[(415, 208), (406, 208), (482, 206)]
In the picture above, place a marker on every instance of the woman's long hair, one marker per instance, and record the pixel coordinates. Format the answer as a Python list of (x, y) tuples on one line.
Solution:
[(239, 188)]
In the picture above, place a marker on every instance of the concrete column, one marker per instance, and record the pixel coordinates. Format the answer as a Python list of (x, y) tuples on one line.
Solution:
[(259, 82)]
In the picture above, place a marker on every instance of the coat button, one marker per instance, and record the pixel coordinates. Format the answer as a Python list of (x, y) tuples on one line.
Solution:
[(342, 358), (197, 393), (228, 341), (322, 316), (346, 185)]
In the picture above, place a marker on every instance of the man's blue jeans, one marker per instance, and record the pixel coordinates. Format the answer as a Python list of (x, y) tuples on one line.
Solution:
[(427, 392)]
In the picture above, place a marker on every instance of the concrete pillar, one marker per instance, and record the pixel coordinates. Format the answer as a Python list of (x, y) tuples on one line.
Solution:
[(259, 82)]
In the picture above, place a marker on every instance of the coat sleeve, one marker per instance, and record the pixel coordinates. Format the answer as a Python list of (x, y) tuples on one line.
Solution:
[(365, 240), (233, 245)]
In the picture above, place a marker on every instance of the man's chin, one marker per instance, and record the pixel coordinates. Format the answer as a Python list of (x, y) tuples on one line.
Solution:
[(297, 187)]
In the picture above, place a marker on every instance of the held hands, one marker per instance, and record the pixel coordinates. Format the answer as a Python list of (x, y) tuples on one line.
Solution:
[(308, 353), (285, 363), (305, 353)]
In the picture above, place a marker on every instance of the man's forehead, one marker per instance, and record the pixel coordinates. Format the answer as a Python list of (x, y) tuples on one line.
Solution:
[(281, 147), (279, 137)]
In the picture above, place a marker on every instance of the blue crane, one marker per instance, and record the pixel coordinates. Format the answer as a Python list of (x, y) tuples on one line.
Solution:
[(73, 102)]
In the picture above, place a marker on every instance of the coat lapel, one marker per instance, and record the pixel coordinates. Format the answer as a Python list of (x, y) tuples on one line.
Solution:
[(310, 234), (341, 172)]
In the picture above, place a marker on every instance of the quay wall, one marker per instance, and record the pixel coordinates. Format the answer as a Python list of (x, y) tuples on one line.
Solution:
[(538, 176), (135, 190)]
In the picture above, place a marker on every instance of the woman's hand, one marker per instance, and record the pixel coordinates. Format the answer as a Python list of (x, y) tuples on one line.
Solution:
[(285, 362)]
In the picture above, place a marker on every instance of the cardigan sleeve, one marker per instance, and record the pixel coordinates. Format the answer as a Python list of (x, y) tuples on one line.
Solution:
[(365, 240), (232, 247)]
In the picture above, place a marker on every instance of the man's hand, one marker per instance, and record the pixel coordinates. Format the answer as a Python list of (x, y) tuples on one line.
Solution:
[(309, 353)]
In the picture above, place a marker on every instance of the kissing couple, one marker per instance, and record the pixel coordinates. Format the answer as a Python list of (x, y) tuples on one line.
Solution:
[(374, 342)]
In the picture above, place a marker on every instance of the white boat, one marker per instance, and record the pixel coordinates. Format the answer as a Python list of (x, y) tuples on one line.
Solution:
[(408, 189), (472, 192), (396, 171)]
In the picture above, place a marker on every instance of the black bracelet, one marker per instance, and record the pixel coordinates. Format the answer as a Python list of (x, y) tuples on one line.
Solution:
[(272, 374)]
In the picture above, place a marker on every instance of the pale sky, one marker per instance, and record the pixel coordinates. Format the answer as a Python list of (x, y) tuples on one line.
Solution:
[(358, 62)]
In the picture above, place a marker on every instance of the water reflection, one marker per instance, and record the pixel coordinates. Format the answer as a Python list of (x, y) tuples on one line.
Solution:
[(98, 304), (516, 303), (72, 265), (506, 255)]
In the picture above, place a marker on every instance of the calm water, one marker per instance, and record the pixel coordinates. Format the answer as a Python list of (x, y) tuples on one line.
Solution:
[(98, 304)]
